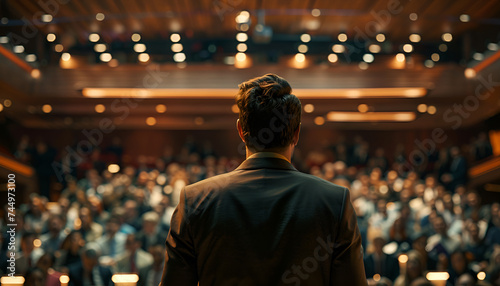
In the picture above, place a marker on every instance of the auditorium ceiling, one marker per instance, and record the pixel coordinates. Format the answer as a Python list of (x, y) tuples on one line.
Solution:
[(358, 64)]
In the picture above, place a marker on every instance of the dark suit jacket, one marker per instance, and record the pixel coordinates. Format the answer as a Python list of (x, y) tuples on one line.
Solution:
[(264, 223)]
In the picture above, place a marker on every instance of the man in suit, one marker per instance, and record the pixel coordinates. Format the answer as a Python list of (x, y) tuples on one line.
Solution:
[(264, 223), (134, 260)]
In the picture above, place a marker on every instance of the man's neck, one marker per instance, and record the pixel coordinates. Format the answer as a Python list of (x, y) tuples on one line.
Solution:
[(287, 152)]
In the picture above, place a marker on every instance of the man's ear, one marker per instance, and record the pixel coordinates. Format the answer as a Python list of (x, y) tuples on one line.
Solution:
[(240, 130), (296, 135)]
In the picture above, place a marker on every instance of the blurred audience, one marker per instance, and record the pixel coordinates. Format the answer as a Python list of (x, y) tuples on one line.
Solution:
[(107, 222)]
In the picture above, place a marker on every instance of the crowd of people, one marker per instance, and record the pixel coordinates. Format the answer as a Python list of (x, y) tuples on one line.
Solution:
[(413, 218)]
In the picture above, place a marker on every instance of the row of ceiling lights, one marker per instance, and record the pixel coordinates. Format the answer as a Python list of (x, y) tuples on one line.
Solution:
[(161, 108)]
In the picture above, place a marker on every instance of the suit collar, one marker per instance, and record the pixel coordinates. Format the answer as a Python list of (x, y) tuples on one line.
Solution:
[(266, 163)]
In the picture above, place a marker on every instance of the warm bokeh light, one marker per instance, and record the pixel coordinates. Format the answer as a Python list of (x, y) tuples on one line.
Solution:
[(151, 121), (464, 18), (7, 103), (306, 38), (241, 57), (59, 48), (315, 12), (135, 37), (18, 49), (408, 48), (303, 48), (64, 279), (139, 48), (470, 73), (447, 37), (422, 108), (47, 18), (340, 116), (415, 38), (435, 57), (241, 37), (342, 37), (161, 108), (374, 48), (125, 278), (105, 57), (443, 48), (1, 107), (413, 16), (15, 280), (100, 48), (376, 277), (338, 49), (363, 66), (300, 58), (319, 120), (37, 243), (241, 47), (144, 57), (333, 58), (400, 57), (481, 276), (380, 37), (403, 258), (179, 57), (243, 17), (175, 37), (35, 73), (100, 16), (369, 58), (100, 108), (431, 109), (308, 108), (177, 48), (47, 108), (65, 57), (113, 168), (437, 276), (94, 37), (363, 108), (51, 37)]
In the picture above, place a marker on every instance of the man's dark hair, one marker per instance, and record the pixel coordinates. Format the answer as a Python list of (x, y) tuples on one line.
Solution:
[(269, 112)]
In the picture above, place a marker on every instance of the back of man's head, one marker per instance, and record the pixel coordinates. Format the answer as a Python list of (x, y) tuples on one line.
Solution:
[(269, 113)]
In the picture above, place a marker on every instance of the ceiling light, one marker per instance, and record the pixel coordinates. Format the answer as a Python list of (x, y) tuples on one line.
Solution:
[(435, 57), (374, 48), (30, 58), (18, 49), (315, 12), (144, 57), (369, 58), (408, 48), (136, 37), (447, 37), (100, 16), (179, 57), (303, 48), (94, 37), (51, 37), (65, 57), (47, 108), (47, 18), (464, 18), (300, 58), (415, 38), (338, 49), (105, 57), (175, 37), (161, 108), (380, 37), (240, 57), (100, 108), (333, 58), (100, 48), (140, 48), (400, 57), (306, 38), (342, 37), (413, 16), (308, 108), (241, 47), (241, 37)]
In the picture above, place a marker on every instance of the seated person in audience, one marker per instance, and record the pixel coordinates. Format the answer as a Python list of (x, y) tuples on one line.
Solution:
[(88, 271), (493, 231), (473, 243), (131, 215), (89, 229), (119, 213), (134, 260), (153, 275), (52, 240), (112, 243), (380, 263), (419, 244), (458, 266), (34, 277), (29, 254), (36, 217), (382, 219), (45, 263), (474, 209), (70, 251), (414, 270), (151, 233), (441, 242)]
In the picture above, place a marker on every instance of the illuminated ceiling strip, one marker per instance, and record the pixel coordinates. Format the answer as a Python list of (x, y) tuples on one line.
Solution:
[(13, 58), (485, 167), (15, 166), (370, 116), (487, 62), (229, 93)]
